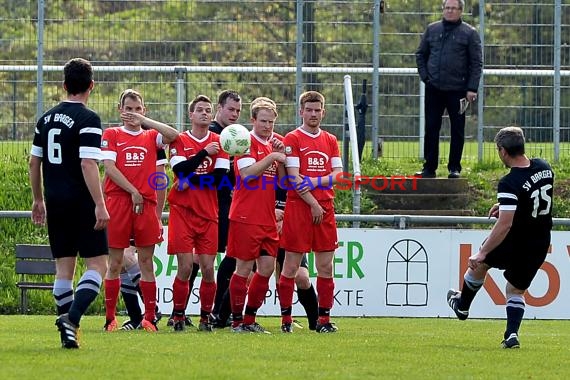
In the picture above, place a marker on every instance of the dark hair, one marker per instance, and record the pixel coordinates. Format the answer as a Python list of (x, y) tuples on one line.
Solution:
[(512, 140), (198, 98), (131, 94), (461, 4), (228, 94), (78, 75)]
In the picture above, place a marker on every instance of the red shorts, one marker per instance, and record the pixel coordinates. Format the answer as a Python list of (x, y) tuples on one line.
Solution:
[(300, 235), (246, 241), (188, 233), (125, 225)]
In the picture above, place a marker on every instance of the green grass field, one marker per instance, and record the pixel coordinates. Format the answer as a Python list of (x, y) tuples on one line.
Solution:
[(379, 348)]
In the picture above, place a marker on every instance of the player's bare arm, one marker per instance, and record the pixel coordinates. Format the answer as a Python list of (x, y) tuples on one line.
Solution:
[(305, 194), (277, 145), (496, 237), (168, 133), (119, 178), (212, 148), (38, 206), (326, 181), (255, 170), (494, 211), (90, 171)]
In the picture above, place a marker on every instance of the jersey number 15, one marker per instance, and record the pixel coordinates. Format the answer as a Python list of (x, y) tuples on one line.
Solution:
[(538, 195)]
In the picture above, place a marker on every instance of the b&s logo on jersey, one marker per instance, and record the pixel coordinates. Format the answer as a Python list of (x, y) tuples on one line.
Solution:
[(204, 166), (316, 161), (134, 155), (271, 171)]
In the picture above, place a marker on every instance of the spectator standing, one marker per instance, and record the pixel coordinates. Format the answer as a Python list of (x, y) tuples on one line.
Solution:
[(450, 64)]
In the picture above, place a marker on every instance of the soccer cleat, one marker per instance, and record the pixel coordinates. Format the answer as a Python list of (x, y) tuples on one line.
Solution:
[(130, 325), (287, 328), (158, 314), (205, 326), (239, 329), (255, 328), (68, 332), (511, 342), (187, 321), (179, 325), (453, 298), (149, 326), (217, 323), (326, 328), (297, 324), (111, 325)]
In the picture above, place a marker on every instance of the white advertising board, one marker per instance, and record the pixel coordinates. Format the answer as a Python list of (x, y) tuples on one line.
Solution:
[(406, 273)]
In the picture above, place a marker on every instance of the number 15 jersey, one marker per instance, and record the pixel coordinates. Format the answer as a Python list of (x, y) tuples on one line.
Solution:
[(528, 191)]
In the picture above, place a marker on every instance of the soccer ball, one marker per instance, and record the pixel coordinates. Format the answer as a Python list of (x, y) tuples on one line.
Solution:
[(235, 139)]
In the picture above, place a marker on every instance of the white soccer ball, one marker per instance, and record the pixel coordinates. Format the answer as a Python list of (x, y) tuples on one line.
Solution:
[(235, 139)]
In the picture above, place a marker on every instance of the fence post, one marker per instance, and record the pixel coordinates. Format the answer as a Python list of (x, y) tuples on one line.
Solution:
[(180, 97), (40, 61), (375, 78), (556, 95)]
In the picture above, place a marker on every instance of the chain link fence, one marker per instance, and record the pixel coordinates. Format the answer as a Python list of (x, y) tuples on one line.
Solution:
[(277, 48)]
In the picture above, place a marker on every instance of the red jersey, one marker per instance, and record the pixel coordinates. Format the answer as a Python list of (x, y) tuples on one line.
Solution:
[(201, 198), (315, 156), (253, 201), (135, 155)]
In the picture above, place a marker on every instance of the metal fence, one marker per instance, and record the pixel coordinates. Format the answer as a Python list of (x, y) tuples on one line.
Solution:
[(279, 48)]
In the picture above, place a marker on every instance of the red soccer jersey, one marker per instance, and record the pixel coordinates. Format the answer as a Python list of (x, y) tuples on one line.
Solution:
[(315, 156), (253, 201), (201, 198), (135, 155)]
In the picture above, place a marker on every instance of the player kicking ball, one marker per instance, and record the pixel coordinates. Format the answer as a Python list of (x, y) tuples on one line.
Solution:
[(520, 238)]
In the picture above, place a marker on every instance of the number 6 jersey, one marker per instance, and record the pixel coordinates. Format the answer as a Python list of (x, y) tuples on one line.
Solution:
[(65, 135)]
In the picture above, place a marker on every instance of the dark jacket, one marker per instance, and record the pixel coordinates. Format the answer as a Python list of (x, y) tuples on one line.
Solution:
[(449, 56)]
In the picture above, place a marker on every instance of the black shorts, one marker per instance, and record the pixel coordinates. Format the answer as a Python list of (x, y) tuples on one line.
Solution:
[(281, 259), (521, 260), (70, 230)]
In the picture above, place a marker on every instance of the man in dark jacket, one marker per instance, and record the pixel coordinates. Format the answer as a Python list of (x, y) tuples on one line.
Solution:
[(450, 63)]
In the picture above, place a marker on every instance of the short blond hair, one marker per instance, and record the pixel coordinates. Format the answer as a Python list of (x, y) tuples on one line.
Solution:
[(262, 103)]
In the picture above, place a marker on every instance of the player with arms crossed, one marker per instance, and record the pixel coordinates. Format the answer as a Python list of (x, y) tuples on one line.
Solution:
[(130, 156), (65, 150), (199, 166), (313, 165), (253, 237), (520, 238)]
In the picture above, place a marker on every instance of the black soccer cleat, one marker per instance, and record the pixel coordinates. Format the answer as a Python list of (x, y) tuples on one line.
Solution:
[(129, 325), (287, 328), (68, 332), (511, 342), (326, 328), (179, 325), (453, 298), (205, 326)]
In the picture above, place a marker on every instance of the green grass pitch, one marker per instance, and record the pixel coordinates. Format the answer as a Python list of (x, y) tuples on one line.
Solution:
[(364, 348)]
